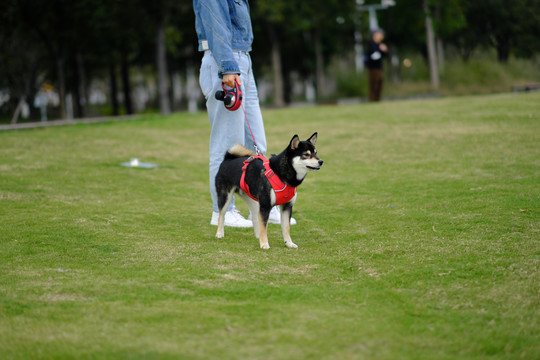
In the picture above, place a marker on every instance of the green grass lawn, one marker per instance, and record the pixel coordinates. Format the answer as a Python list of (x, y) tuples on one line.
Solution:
[(419, 239)]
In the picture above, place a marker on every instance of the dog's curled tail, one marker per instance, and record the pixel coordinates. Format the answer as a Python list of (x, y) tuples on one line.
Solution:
[(238, 151)]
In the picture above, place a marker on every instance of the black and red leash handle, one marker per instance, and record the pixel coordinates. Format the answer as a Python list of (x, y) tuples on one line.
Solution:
[(232, 99)]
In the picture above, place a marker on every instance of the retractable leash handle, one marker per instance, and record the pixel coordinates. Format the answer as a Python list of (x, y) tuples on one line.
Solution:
[(232, 98)]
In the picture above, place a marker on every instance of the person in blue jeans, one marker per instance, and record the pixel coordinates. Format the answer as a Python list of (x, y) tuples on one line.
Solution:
[(225, 36)]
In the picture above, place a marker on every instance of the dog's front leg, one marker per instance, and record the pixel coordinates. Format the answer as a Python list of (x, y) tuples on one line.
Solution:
[(221, 224), (286, 212), (264, 214)]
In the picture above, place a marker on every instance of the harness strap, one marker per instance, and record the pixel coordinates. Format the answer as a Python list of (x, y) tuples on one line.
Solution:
[(243, 185), (284, 192)]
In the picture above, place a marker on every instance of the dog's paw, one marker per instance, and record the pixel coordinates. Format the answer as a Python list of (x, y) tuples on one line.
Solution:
[(265, 246), (220, 234), (291, 245)]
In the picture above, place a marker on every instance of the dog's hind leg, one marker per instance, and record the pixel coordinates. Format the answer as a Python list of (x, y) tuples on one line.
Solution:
[(264, 214), (254, 210), (224, 200), (286, 213)]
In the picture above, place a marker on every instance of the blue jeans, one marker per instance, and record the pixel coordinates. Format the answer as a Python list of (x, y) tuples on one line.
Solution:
[(230, 127)]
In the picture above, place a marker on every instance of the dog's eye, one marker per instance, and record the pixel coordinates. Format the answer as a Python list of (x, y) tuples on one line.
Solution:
[(307, 154)]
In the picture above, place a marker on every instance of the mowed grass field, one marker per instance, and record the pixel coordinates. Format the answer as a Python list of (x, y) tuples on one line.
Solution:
[(419, 239)]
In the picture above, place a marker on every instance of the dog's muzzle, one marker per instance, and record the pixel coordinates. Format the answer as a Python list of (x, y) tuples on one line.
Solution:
[(316, 168)]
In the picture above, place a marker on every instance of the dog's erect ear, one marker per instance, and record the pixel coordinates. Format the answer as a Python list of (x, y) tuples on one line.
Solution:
[(313, 139), (294, 142)]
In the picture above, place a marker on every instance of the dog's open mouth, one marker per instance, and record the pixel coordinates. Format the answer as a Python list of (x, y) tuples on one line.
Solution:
[(314, 168)]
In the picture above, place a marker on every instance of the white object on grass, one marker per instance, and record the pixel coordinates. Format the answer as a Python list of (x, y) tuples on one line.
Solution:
[(135, 163)]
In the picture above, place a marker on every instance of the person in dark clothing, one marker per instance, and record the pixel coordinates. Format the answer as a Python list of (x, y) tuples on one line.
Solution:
[(374, 62)]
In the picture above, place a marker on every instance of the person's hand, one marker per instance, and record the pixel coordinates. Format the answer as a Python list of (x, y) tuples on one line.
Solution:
[(229, 79), (383, 47)]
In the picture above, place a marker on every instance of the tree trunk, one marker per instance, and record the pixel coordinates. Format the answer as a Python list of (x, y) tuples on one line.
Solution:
[(432, 56), (278, 75), (161, 63), (18, 109), (394, 62), (320, 81), (503, 49), (440, 55), (192, 96), (438, 41), (61, 85), (113, 88), (277, 72), (126, 86), (83, 86), (76, 87)]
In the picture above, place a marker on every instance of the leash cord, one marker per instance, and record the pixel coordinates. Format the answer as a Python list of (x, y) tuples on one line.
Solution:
[(257, 152)]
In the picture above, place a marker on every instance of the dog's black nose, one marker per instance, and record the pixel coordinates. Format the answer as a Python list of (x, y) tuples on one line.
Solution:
[(320, 162)]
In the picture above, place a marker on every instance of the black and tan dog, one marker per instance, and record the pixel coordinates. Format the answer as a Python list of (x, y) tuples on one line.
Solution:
[(264, 183)]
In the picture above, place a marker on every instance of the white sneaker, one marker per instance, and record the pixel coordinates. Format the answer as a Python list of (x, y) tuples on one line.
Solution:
[(233, 218), (275, 217)]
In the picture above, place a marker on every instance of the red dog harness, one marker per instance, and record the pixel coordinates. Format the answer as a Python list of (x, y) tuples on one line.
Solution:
[(284, 193)]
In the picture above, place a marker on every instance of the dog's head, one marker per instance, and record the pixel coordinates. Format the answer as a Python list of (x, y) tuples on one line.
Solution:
[(303, 155)]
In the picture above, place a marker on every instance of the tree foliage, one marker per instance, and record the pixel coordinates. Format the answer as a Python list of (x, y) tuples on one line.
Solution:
[(69, 42)]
